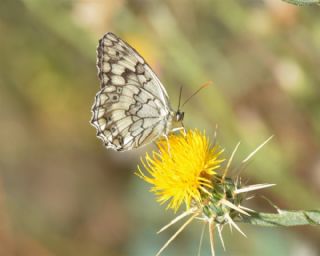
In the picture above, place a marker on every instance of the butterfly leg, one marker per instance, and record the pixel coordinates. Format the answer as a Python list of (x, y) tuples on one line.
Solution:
[(184, 130), (180, 128), (166, 137)]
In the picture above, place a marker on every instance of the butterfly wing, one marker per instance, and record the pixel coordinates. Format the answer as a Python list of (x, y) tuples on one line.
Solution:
[(132, 108)]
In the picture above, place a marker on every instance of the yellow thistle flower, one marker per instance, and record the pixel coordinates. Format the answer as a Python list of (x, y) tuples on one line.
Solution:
[(182, 169)]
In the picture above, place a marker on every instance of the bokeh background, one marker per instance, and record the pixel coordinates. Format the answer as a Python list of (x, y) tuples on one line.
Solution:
[(63, 193)]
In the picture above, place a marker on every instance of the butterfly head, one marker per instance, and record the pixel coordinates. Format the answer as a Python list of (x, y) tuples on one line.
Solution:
[(177, 120), (179, 115)]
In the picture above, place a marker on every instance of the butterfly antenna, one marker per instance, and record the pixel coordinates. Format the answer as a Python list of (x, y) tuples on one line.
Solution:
[(206, 84), (179, 98)]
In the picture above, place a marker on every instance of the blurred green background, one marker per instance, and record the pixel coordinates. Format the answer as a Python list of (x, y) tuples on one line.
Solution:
[(63, 193)]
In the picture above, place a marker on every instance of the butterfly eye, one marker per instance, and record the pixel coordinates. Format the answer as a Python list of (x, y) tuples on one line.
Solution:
[(179, 116)]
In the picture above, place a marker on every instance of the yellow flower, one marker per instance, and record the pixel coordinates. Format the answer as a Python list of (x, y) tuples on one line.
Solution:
[(182, 168)]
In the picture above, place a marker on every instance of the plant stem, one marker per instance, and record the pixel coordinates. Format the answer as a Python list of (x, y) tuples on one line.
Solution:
[(283, 218), (302, 2)]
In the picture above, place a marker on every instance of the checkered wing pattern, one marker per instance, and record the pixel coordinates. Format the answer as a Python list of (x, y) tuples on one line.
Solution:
[(132, 108)]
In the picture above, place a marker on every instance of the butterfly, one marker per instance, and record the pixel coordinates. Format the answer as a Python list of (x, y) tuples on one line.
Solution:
[(132, 107)]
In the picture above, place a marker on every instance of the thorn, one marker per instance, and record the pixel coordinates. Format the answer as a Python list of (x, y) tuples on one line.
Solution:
[(179, 217), (249, 198), (219, 227), (201, 238), (230, 160), (211, 235), (230, 227), (272, 204), (177, 233), (246, 209), (235, 226), (256, 150), (232, 206), (252, 188)]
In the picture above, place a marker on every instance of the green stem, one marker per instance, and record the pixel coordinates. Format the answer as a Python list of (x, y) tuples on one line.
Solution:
[(302, 2), (283, 218)]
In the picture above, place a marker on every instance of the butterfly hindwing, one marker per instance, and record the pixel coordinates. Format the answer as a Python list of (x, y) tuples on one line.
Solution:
[(131, 109)]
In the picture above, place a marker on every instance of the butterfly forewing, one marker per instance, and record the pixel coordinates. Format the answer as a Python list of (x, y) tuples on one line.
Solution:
[(132, 108)]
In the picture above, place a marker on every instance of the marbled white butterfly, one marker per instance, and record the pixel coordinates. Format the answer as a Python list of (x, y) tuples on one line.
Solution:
[(132, 107)]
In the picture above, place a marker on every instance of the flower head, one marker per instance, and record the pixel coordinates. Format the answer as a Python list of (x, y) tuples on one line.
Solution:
[(182, 169)]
